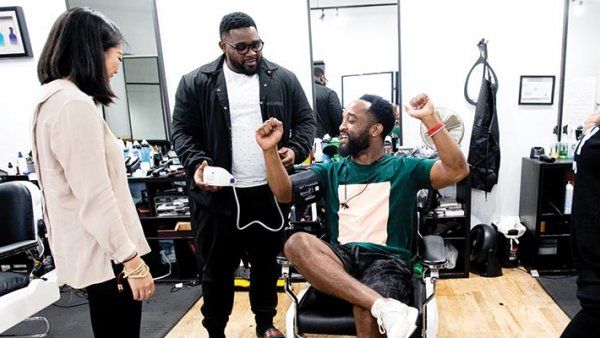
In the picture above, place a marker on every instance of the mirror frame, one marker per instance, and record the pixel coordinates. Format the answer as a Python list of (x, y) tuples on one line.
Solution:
[(563, 65)]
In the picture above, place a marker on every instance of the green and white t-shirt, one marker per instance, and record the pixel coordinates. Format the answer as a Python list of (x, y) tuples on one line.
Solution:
[(381, 199)]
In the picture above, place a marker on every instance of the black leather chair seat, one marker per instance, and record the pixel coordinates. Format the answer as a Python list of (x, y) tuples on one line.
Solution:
[(11, 281), (324, 314), (15, 248)]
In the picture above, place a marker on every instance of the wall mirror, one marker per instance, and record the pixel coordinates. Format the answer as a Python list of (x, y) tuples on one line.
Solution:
[(356, 44), (141, 109), (581, 65)]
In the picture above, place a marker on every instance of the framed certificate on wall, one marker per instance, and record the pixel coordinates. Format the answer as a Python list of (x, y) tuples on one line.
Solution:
[(536, 90)]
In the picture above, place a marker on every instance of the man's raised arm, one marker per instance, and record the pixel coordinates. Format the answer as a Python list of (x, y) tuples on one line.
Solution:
[(267, 137)]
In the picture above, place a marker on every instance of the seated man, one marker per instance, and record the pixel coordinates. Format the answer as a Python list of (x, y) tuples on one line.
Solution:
[(369, 198)]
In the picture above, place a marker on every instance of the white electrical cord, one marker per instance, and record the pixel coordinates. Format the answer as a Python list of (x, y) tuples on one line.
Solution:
[(165, 259), (237, 202)]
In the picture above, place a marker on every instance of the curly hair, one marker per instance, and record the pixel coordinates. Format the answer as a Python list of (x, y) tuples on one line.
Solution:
[(235, 20), (382, 111)]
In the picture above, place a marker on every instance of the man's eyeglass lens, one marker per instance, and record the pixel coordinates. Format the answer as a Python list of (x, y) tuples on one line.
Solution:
[(244, 48)]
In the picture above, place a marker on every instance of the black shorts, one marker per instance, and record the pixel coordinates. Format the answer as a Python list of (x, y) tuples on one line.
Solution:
[(387, 274)]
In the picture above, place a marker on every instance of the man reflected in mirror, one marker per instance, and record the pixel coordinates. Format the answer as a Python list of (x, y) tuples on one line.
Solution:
[(328, 109)]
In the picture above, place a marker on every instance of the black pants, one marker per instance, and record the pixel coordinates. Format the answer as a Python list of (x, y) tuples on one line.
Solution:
[(585, 324), (114, 313), (585, 236), (221, 246)]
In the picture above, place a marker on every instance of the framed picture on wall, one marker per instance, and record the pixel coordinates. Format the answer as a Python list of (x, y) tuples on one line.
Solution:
[(14, 39), (536, 90)]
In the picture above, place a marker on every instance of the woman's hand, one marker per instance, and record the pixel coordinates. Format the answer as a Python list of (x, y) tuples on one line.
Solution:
[(141, 288)]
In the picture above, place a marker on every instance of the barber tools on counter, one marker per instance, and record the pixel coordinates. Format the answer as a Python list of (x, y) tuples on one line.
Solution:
[(143, 159)]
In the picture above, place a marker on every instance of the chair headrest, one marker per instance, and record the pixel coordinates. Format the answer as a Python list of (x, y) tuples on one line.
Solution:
[(20, 211)]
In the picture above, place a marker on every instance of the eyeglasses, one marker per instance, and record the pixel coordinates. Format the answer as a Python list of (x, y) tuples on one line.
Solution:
[(243, 48)]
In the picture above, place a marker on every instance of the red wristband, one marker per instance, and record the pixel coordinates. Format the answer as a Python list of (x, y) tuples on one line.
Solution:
[(435, 128)]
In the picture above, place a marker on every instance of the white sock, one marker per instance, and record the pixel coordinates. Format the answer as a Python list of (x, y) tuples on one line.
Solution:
[(377, 307)]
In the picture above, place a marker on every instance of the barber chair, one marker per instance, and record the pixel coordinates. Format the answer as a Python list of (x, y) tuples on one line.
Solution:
[(313, 312), (23, 294)]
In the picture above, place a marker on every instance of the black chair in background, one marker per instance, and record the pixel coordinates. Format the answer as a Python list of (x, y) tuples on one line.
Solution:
[(21, 293)]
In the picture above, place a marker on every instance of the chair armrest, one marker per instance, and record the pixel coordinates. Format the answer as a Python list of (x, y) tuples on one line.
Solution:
[(433, 251), (17, 248), (315, 228)]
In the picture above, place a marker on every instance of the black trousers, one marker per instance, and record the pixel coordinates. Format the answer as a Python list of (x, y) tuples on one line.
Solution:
[(114, 313), (221, 246), (586, 323)]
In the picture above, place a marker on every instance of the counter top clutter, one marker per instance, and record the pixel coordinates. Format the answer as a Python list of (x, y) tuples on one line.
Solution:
[(143, 159)]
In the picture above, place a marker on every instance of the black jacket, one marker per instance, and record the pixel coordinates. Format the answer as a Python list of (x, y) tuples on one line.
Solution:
[(328, 111), (484, 150), (201, 128)]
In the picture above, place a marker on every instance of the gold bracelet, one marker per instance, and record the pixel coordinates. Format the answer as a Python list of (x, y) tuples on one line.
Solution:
[(135, 271), (141, 274)]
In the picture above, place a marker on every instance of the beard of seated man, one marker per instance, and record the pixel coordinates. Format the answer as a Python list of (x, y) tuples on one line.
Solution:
[(356, 143)]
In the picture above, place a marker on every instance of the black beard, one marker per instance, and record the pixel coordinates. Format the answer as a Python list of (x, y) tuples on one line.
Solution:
[(240, 68), (355, 145)]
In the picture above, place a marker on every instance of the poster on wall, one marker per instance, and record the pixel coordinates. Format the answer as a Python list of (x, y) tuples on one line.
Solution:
[(14, 39)]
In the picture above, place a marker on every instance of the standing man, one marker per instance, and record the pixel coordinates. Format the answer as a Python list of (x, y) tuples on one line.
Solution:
[(327, 106), (218, 107)]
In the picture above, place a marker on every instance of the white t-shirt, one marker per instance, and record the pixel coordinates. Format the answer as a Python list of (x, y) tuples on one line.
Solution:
[(248, 163)]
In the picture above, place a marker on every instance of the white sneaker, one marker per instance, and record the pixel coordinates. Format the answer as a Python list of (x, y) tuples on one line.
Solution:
[(394, 318)]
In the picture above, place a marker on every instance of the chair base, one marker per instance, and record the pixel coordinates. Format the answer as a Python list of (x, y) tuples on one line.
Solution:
[(35, 335), (428, 325), (23, 303)]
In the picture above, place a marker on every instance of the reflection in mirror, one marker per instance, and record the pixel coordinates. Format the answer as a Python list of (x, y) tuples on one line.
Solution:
[(582, 65), (355, 43), (140, 110), (142, 86)]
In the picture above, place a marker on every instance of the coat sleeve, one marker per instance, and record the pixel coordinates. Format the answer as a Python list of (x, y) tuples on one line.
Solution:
[(334, 111), (78, 145), (186, 128), (303, 123)]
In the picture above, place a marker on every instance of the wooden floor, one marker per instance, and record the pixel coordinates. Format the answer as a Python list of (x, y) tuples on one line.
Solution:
[(513, 305)]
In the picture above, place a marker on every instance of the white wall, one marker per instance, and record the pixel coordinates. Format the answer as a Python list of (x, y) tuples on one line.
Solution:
[(18, 79), (439, 47), (355, 41), (190, 35)]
